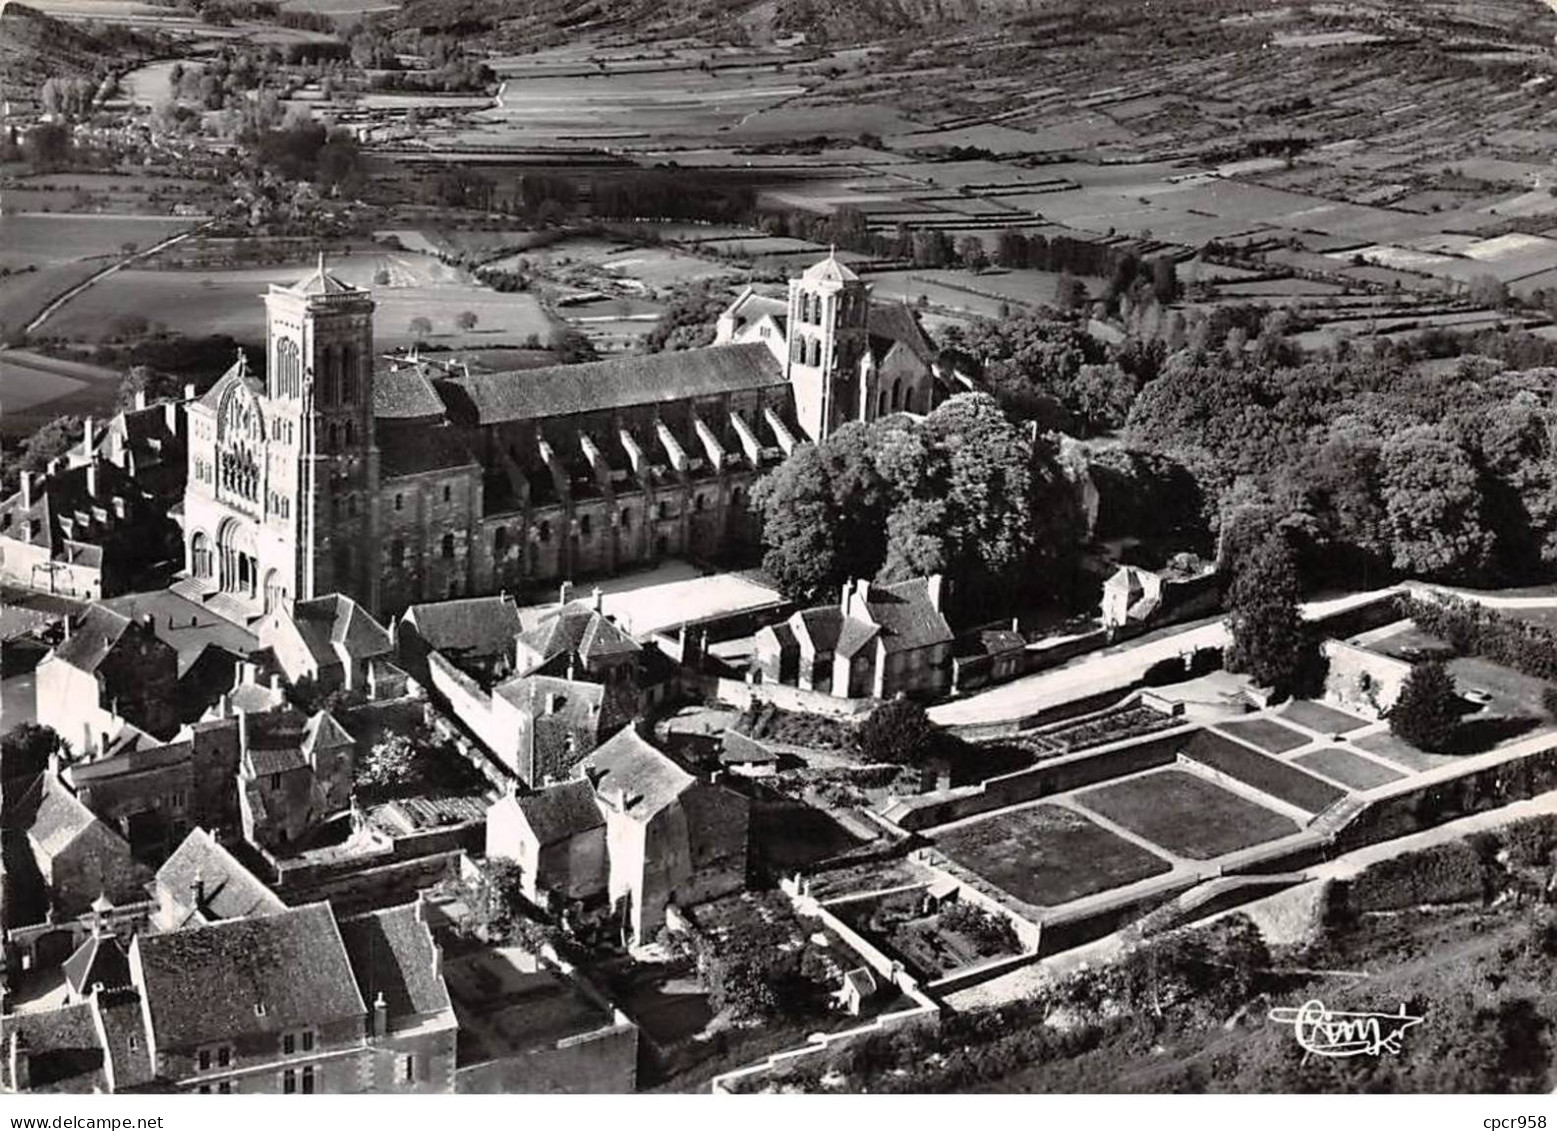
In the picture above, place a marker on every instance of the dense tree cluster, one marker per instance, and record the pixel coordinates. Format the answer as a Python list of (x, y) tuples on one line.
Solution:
[(1374, 467), (1471, 629), (963, 492), (688, 321)]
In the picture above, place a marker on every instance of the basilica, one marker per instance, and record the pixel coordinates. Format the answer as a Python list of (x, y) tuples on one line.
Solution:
[(403, 480)]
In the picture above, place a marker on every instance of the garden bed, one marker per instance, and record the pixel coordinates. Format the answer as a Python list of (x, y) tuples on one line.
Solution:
[(935, 944), (1187, 815)]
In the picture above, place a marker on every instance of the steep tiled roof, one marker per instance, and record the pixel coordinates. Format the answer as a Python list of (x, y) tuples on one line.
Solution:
[(248, 976), (479, 626), (335, 619), (577, 628), (893, 323), (614, 383), (59, 818), (392, 953), (907, 615), (64, 1052), (559, 811), (575, 699), (319, 281), (853, 636), (404, 393), (99, 961), (629, 764), (92, 638), (324, 733), (231, 890), (822, 625)]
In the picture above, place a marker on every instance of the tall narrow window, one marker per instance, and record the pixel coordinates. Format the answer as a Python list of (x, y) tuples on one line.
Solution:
[(348, 375), (448, 546)]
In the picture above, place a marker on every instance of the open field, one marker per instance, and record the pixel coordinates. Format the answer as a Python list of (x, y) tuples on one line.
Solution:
[(227, 301), (46, 238), (1046, 855), (1185, 814)]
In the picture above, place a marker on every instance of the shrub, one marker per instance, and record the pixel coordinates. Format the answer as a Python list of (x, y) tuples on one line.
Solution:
[(1444, 873), (991, 934), (1472, 629), (897, 731), (1427, 712)]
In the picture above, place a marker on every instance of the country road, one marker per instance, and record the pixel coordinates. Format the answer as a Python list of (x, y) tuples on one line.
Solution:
[(55, 303)]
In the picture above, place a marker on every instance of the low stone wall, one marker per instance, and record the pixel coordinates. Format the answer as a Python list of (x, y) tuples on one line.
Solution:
[(1363, 680), (742, 695), (1056, 775)]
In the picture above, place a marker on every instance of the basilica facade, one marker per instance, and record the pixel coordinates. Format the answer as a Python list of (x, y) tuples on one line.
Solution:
[(398, 481)]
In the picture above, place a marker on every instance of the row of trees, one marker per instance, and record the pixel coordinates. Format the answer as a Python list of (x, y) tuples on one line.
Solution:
[(963, 492)]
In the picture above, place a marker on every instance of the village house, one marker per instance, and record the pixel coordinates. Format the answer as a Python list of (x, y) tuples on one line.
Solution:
[(557, 837), (204, 883), (576, 683), (330, 641), (295, 771), (82, 532), (475, 634), (1134, 597), (668, 838), (878, 641), (261, 1004), (146, 441), (412, 1028), (108, 673), (78, 856)]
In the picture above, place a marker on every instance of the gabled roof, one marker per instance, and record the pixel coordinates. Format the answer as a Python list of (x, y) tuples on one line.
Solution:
[(891, 324), (544, 696), (854, 636), (64, 1051), (231, 891), (99, 961), (579, 629), (392, 952), (906, 614), (820, 626), (324, 733), (237, 374), (614, 383), (92, 638), (627, 764), (59, 817), (737, 750), (559, 811), (334, 620), (750, 307), (65, 515), (479, 626), (262, 975), (405, 393)]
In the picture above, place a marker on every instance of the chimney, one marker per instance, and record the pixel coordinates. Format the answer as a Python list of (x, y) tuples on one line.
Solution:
[(934, 583), (248, 672), (67, 619), (170, 412), (843, 602), (599, 600), (1016, 624), (91, 477), (380, 1015), (27, 489), (243, 728), (197, 889), (86, 437), (121, 508), (275, 681), (21, 1064), (189, 391), (140, 399), (565, 592), (437, 961), (150, 621)]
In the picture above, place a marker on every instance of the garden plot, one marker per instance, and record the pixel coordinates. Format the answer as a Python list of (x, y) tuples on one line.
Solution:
[(935, 944), (1046, 855), (1321, 718), (1269, 735), (1185, 814), (1352, 770)]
